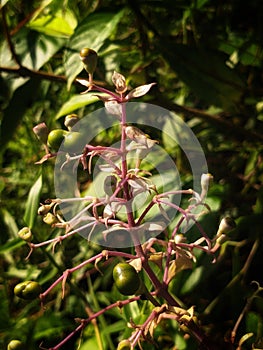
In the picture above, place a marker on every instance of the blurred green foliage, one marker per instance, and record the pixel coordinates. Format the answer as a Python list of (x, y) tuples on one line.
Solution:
[(206, 58)]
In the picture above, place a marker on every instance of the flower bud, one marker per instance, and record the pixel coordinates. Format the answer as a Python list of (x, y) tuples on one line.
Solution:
[(206, 179), (44, 209), (226, 225), (89, 59), (119, 82), (25, 234), (41, 131), (70, 121), (27, 290), (179, 238)]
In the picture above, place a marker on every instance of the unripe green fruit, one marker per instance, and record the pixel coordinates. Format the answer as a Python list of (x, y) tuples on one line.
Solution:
[(89, 58), (15, 345), (55, 138), (27, 290), (126, 279)]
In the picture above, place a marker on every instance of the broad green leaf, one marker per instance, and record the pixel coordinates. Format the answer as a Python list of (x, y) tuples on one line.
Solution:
[(34, 50), (76, 102), (33, 202), (205, 72), (41, 49), (193, 280), (53, 26), (91, 33)]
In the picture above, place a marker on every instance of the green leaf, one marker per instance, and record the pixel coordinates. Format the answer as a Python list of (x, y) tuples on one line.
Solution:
[(193, 280), (9, 222), (11, 245), (33, 49), (76, 102), (90, 344), (54, 26), (33, 202), (91, 33), (205, 72)]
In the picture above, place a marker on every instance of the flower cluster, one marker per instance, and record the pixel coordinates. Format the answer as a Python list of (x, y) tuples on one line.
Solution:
[(112, 217)]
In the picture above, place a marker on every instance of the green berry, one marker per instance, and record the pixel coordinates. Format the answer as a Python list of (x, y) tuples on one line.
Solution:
[(55, 139), (89, 58), (27, 290), (126, 278)]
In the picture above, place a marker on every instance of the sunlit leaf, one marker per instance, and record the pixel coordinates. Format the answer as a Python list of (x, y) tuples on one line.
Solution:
[(42, 48), (76, 102), (10, 222), (50, 25), (32, 203)]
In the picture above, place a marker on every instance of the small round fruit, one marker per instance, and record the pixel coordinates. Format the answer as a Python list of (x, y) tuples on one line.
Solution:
[(55, 138), (126, 278), (89, 58), (15, 345), (27, 290)]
